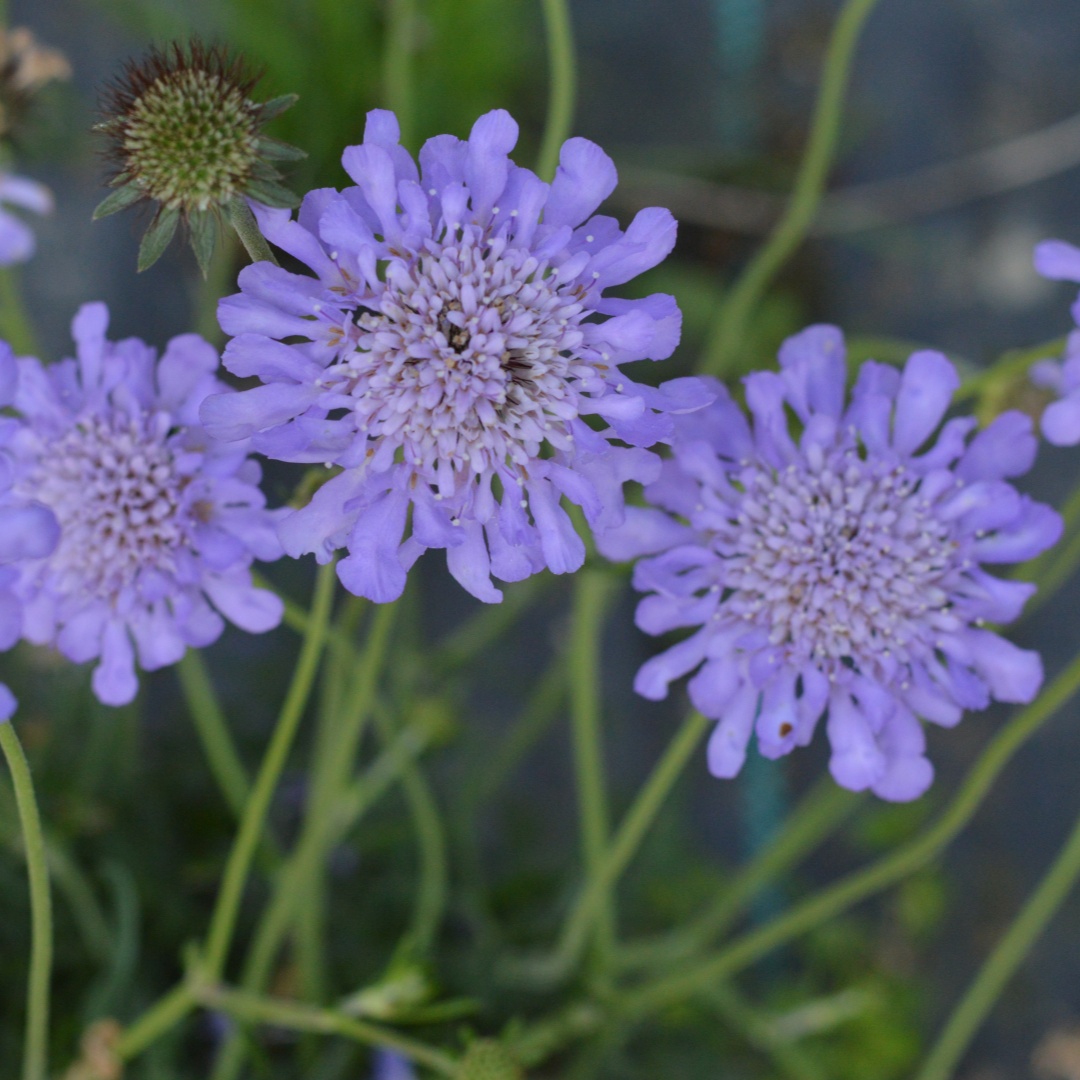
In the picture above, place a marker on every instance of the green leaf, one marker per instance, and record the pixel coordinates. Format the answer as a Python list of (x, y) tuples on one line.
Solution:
[(276, 106), (203, 229), (271, 194), (118, 200), (276, 150), (156, 239)]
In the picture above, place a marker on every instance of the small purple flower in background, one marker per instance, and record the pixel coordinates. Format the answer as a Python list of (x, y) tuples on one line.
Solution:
[(448, 355), (28, 529), (837, 570), (17, 242), (1060, 261), (392, 1066), (159, 523)]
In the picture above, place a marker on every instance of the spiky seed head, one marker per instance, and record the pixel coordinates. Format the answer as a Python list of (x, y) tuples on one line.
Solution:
[(186, 135)]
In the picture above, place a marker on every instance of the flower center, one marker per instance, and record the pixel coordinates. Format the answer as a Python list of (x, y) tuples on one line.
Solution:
[(842, 564), (114, 488), (470, 355), (190, 140)]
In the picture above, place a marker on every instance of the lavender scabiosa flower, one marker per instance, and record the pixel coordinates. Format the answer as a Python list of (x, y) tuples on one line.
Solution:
[(838, 571), (17, 243), (159, 523), (446, 355), (392, 1066), (1060, 261)]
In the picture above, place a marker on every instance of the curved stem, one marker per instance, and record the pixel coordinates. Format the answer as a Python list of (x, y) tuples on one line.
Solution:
[(223, 920), (732, 316), (209, 720), (591, 593), (821, 811), (874, 878), (247, 229), (562, 90), (36, 1050), (1025, 929), (165, 1014)]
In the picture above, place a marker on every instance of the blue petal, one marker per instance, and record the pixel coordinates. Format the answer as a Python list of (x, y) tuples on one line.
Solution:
[(585, 177)]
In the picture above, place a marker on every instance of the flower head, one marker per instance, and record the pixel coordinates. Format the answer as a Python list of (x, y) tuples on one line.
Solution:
[(158, 522), (447, 353), (837, 570), (185, 135), (1060, 261)]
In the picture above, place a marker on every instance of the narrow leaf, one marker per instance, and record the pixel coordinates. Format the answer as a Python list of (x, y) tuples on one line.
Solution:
[(276, 150), (271, 194), (117, 200), (276, 106), (203, 237), (156, 239)]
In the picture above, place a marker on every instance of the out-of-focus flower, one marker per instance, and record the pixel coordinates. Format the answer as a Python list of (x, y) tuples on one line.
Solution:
[(25, 68), (185, 135), (17, 242), (392, 1066), (159, 523), (447, 354), (1061, 420), (836, 569)]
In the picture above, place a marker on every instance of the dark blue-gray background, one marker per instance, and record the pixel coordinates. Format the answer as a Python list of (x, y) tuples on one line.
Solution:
[(700, 87)]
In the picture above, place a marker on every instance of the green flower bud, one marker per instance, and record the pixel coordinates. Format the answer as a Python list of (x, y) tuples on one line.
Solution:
[(185, 135)]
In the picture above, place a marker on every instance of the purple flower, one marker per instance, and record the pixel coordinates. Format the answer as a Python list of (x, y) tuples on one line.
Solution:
[(392, 1066), (448, 355), (836, 569), (16, 238), (1060, 261), (159, 523), (28, 530)]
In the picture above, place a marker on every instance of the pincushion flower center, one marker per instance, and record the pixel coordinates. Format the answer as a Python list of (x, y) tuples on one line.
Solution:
[(843, 564), (470, 354), (113, 485)]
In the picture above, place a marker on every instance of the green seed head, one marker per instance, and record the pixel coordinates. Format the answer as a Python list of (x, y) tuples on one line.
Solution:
[(186, 136)]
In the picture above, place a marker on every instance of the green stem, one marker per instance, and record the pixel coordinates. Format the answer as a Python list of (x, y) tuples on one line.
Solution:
[(213, 730), (562, 90), (36, 1050), (823, 809), (1010, 365), (874, 878), (430, 899), (164, 1015), (223, 920), (397, 63), (15, 326), (286, 1014), (247, 229), (591, 592), (626, 842), (1003, 961), (729, 327)]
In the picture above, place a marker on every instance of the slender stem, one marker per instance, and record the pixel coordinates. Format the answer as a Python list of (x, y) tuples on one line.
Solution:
[(223, 921), (591, 593), (165, 1014), (628, 839), (430, 899), (562, 91), (872, 879), (729, 327), (397, 63), (247, 229), (36, 1050), (822, 810), (15, 327), (287, 1014), (1010, 365), (999, 967), (213, 730)]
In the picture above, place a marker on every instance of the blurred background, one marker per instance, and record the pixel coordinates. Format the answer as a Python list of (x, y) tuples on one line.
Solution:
[(961, 150)]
